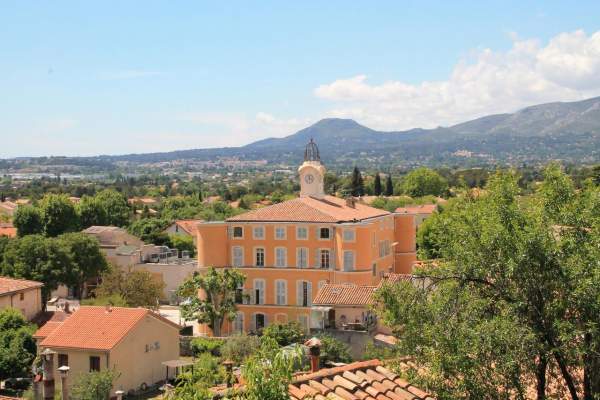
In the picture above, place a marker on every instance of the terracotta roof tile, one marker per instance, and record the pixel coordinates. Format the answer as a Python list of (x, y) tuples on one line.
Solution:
[(46, 329), (309, 209), (95, 328), (12, 285), (360, 380), (188, 225), (7, 229), (344, 294)]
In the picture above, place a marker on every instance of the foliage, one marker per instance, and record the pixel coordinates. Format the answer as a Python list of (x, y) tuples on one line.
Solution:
[(136, 288), (239, 347), (95, 385), (219, 303), (149, 229), (17, 346), (180, 207), (183, 242), (373, 351), (113, 300), (515, 298), (333, 350), (391, 204), (285, 333), (58, 215), (377, 189), (86, 259), (389, 185), (357, 187), (28, 220), (91, 212), (202, 345), (115, 206), (424, 181), (269, 372)]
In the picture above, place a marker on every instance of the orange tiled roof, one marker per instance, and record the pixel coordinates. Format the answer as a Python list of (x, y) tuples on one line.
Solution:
[(12, 285), (7, 229), (188, 225), (368, 380), (45, 330), (309, 209), (390, 277), (344, 294), (95, 328), (423, 209)]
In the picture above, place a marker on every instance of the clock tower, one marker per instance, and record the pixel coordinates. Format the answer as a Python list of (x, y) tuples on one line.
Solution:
[(312, 173)]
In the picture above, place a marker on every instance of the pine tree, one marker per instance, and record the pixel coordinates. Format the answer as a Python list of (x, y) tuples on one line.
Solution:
[(377, 185), (389, 186), (357, 186)]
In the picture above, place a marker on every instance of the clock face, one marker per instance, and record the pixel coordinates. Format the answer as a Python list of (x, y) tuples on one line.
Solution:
[(309, 178)]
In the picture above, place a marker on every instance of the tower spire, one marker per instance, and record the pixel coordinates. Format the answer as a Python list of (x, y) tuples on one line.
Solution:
[(311, 153)]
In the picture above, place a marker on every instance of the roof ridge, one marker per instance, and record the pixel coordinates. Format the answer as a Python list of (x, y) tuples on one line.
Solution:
[(324, 373)]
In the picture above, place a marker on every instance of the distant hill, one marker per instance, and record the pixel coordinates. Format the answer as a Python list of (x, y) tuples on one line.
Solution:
[(565, 131)]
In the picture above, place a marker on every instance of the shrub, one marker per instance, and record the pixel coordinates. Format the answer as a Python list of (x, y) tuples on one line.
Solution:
[(285, 334), (203, 345), (239, 347), (94, 385), (333, 350)]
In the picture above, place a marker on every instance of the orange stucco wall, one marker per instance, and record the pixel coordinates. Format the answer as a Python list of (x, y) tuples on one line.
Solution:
[(215, 248), (405, 249)]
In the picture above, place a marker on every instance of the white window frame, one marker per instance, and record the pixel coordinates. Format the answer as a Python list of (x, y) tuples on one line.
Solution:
[(306, 258), (261, 299), (347, 267), (300, 293), (255, 229), (325, 227), (282, 227), (264, 252), (298, 230), (281, 292), (233, 232), (233, 256), (350, 239), (321, 252), (254, 315), (279, 264)]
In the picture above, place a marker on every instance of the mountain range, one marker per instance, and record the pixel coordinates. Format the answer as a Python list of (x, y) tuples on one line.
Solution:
[(568, 131)]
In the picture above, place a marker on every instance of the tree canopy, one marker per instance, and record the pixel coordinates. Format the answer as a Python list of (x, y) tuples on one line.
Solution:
[(17, 346), (424, 181)]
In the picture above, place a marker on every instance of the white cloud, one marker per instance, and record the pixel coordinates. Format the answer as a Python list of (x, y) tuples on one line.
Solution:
[(567, 68)]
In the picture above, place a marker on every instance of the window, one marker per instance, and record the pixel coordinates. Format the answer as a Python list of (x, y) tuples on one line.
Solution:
[(94, 363), (304, 293), (349, 235), (301, 233), (238, 322), (63, 359), (301, 257), (238, 256), (239, 295), (156, 345), (260, 321), (324, 233), (303, 320), (348, 260), (21, 296), (259, 291), (281, 292), (238, 232), (325, 259), (384, 248), (258, 232), (259, 257), (280, 233), (374, 269), (280, 257)]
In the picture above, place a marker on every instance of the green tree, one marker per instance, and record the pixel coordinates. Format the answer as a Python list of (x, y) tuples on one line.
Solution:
[(91, 212), (183, 242), (135, 288), (219, 302), (357, 187), (333, 350), (285, 333), (86, 259), (17, 346), (95, 385), (28, 220), (269, 372), (424, 181), (58, 215), (389, 185), (37, 258), (149, 229), (114, 206), (377, 189), (239, 347)]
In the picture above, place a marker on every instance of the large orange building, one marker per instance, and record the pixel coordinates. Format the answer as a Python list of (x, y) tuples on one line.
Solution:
[(289, 250)]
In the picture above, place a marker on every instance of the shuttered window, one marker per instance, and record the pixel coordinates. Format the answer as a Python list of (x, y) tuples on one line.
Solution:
[(281, 292), (281, 257), (301, 257), (238, 256)]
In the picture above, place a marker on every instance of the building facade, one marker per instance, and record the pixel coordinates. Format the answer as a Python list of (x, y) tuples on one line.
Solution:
[(21, 294), (287, 251)]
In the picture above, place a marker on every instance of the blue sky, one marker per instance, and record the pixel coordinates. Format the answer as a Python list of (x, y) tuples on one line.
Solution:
[(83, 78)]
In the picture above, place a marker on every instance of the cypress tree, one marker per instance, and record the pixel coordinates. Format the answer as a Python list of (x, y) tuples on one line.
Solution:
[(357, 185), (377, 185), (389, 186)]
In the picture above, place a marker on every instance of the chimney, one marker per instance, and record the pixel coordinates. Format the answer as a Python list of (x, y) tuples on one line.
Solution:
[(108, 308), (66, 308), (314, 348), (350, 201)]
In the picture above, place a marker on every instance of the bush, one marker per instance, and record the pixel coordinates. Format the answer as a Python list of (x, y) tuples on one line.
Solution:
[(94, 385), (333, 350), (239, 347), (203, 345), (285, 334)]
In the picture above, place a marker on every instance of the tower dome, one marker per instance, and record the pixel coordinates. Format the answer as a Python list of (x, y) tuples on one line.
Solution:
[(311, 153)]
